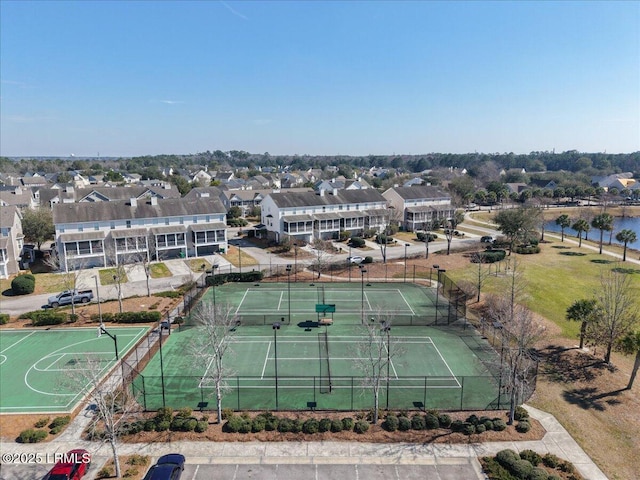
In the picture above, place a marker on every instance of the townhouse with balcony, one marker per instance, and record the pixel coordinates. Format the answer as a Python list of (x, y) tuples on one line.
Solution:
[(418, 205), (11, 241), (115, 232), (324, 214)]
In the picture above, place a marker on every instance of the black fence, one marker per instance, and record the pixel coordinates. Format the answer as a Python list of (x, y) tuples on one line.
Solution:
[(340, 394)]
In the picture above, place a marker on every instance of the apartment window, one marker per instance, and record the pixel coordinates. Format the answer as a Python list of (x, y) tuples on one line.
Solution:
[(195, 219), (181, 220), (80, 228), (113, 225), (128, 223), (96, 227)]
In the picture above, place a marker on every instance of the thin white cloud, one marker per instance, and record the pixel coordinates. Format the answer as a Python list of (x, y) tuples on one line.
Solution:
[(233, 10), (171, 102)]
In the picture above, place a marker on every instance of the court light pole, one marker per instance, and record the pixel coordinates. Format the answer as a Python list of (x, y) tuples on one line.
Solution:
[(213, 285), (440, 270), (405, 262), (162, 368), (95, 277), (430, 272), (289, 289), (386, 327), (295, 262), (276, 327), (362, 272)]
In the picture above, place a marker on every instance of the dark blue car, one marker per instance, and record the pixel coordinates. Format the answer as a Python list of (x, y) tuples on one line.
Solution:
[(168, 467)]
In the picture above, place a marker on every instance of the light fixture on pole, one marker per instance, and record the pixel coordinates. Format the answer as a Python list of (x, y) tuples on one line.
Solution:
[(431, 271), (289, 290), (162, 367), (276, 327), (204, 279)]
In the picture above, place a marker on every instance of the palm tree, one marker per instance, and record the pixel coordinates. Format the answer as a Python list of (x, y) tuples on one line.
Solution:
[(580, 226), (582, 311), (629, 345), (602, 222), (626, 236), (563, 221)]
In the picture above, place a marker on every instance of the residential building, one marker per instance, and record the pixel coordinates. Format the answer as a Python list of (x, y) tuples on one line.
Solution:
[(70, 194), (11, 241), (90, 234), (323, 214), (419, 204)]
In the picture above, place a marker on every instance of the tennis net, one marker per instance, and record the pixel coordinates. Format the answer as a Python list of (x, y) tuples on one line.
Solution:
[(325, 369)]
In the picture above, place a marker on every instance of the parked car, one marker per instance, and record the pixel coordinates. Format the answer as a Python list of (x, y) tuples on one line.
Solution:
[(356, 259), (486, 239), (168, 467), (73, 465), (66, 297)]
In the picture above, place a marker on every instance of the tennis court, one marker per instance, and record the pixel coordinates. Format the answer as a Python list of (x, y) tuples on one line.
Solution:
[(35, 363), (297, 367), (263, 304)]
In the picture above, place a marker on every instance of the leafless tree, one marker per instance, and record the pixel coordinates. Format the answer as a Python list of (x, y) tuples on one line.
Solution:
[(322, 254), (114, 405), (518, 334), (375, 352), (216, 333), (71, 278), (390, 220), (482, 273), (618, 309)]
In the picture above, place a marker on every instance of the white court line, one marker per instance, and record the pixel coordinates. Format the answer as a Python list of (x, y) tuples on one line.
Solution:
[(405, 301), (447, 365), (242, 301), (368, 303), (266, 358), (14, 344), (280, 301)]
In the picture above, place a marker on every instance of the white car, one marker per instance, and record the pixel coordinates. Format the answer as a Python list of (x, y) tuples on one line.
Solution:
[(355, 259)]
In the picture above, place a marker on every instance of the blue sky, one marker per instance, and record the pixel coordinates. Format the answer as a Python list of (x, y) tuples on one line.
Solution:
[(125, 78)]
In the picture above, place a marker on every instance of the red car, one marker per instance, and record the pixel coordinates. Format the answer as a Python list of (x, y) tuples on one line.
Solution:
[(72, 465)]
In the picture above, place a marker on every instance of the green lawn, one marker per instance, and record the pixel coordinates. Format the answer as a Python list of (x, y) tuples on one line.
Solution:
[(195, 264), (106, 276), (555, 279), (159, 270)]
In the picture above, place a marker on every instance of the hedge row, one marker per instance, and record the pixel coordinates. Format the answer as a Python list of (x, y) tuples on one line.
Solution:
[(268, 422), (526, 249), (128, 317), (253, 276), (4, 318), (490, 256), (421, 236), (40, 318), (509, 465), (182, 421), (433, 420)]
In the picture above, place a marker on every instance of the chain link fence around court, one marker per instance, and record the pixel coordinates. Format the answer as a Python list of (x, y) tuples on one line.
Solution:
[(339, 393), (322, 393), (450, 299)]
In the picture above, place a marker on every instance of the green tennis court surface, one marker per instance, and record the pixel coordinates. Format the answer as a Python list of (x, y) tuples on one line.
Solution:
[(34, 364), (433, 367), (266, 303)]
